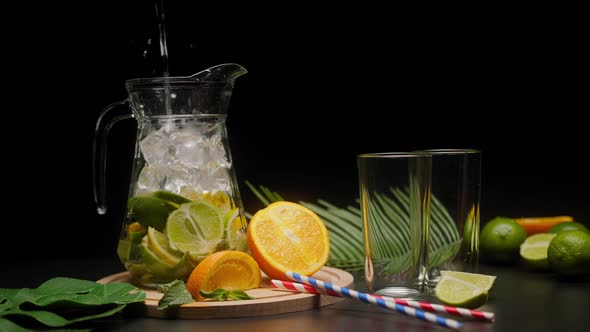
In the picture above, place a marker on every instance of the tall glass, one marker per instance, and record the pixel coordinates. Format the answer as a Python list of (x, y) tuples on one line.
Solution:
[(395, 194), (454, 212)]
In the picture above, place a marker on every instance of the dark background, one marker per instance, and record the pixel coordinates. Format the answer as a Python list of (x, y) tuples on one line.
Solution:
[(323, 86)]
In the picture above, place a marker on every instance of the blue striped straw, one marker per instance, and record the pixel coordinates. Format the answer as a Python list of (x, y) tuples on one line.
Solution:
[(425, 316)]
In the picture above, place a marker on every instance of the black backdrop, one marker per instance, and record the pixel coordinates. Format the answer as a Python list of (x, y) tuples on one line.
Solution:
[(321, 89)]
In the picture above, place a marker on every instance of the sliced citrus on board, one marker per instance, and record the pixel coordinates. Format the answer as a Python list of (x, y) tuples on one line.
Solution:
[(288, 237), (229, 270)]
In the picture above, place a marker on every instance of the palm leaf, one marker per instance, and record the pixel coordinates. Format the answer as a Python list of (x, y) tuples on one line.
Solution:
[(390, 237)]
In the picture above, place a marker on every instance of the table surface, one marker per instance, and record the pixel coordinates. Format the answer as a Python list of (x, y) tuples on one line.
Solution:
[(522, 300)]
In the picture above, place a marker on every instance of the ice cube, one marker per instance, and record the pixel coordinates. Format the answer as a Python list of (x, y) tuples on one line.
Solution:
[(217, 151), (191, 147), (219, 179), (179, 176), (150, 178), (157, 148)]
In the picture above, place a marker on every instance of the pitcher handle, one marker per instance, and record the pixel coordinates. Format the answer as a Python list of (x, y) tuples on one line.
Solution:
[(99, 152)]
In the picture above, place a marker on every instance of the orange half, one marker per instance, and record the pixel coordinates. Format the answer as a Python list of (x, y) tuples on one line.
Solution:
[(227, 269), (288, 237)]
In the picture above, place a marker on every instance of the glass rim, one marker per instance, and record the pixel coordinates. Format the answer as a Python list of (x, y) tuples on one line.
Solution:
[(449, 151), (393, 155), (172, 81)]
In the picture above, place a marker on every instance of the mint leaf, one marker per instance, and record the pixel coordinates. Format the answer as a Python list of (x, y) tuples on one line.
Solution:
[(74, 296), (221, 294), (175, 294), (239, 295)]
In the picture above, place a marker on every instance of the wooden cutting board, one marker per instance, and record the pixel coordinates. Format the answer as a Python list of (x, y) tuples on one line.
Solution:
[(268, 301)]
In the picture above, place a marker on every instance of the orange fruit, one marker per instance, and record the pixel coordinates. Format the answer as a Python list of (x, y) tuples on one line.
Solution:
[(288, 237), (226, 269), (541, 224)]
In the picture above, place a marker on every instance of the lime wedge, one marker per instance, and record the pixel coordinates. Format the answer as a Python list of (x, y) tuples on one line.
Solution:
[(158, 243), (534, 250), (196, 227), (150, 211), (456, 292), (170, 197), (482, 281)]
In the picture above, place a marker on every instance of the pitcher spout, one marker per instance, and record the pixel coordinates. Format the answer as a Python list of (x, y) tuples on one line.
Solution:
[(226, 73)]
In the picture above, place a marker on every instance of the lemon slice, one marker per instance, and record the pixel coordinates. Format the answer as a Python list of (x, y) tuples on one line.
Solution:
[(158, 243)]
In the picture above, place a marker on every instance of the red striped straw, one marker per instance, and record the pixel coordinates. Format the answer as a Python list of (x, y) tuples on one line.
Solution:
[(431, 307), (350, 293)]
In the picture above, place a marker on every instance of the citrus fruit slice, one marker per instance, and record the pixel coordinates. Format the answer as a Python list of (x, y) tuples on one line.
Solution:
[(236, 233), (534, 249), (460, 293), (288, 237), (501, 238), (229, 270), (158, 243), (170, 197), (482, 281), (150, 211), (541, 224), (196, 227), (568, 226), (569, 253)]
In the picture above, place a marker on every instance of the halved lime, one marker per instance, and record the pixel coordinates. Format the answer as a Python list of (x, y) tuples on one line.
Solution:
[(482, 281), (534, 249), (170, 197), (196, 227), (150, 211), (456, 292), (158, 243)]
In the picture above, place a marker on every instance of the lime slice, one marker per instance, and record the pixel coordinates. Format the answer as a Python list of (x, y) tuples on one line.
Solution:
[(150, 211), (170, 197), (152, 261), (534, 249), (158, 243), (196, 227), (456, 292), (482, 281)]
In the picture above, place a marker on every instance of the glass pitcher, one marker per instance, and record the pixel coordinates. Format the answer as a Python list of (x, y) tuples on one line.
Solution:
[(184, 202)]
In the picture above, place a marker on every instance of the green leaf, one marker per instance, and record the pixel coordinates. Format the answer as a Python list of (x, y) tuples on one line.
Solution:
[(75, 296), (6, 325), (219, 294), (175, 294), (239, 295)]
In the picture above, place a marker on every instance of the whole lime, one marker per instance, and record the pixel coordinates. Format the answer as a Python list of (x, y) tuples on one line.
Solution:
[(568, 226), (569, 253), (501, 238)]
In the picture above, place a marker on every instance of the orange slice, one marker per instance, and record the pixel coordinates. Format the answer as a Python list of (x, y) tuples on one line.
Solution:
[(227, 269), (288, 237), (541, 224)]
